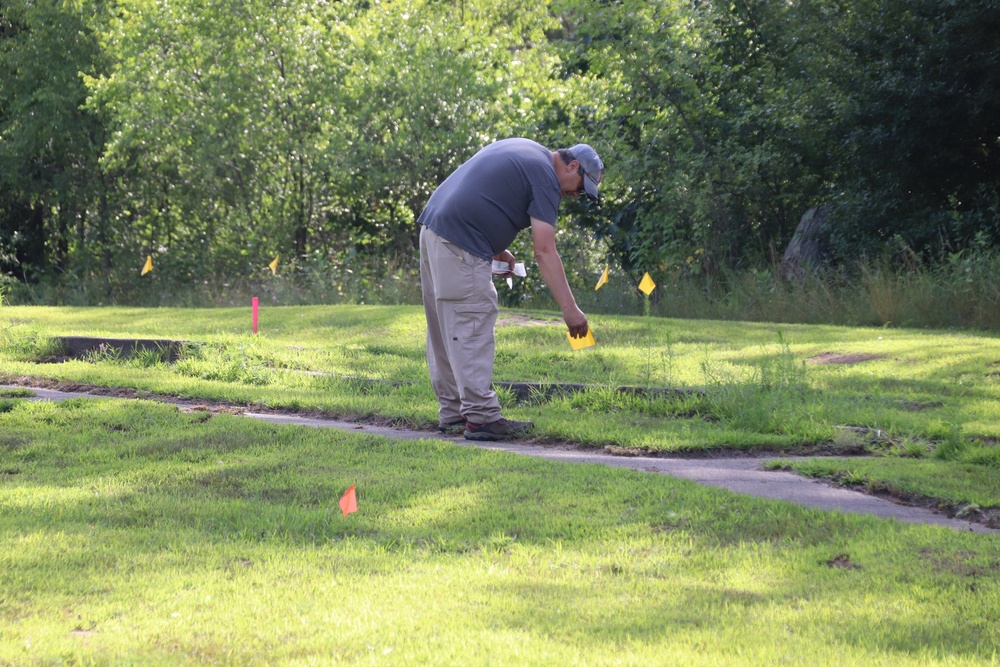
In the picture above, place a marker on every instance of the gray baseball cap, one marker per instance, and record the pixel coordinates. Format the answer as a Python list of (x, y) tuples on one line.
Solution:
[(591, 166)]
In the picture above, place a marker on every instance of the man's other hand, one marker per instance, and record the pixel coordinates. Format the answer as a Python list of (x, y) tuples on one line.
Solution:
[(508, 258)]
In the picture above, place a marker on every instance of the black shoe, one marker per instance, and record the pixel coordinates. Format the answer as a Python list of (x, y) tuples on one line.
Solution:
[(456, 426), (501, 429)]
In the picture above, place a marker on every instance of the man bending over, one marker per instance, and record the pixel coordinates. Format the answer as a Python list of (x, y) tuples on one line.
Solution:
[(468, 222)]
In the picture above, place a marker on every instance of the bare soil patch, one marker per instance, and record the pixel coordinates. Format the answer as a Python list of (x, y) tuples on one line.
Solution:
[(838, 358), (511, 319), (962, 563), (841, 562)]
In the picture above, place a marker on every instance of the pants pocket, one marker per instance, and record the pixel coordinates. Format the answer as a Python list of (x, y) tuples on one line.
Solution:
[(472, 320), (455, 272)]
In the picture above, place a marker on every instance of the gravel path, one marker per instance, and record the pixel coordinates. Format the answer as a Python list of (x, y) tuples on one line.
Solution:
[(740, 475)]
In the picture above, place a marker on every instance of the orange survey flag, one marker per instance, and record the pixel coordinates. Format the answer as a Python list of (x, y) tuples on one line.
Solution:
[(349, 502)]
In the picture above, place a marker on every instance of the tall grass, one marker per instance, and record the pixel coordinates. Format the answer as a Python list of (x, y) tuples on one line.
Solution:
[(961, 291), (354, 279), (957, 290)]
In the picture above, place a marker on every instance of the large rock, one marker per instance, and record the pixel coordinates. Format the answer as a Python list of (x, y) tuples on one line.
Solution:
[(809, 244)]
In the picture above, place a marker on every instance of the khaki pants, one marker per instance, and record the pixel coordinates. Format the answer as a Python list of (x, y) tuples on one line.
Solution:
[(460, 302)]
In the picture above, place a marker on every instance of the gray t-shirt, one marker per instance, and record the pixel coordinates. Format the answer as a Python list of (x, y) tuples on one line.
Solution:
[(484, 203)]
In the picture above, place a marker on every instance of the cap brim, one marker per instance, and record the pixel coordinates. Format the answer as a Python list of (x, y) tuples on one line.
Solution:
[(590, 187)]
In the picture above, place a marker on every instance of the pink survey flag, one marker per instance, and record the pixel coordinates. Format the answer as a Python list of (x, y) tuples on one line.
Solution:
[(349, 502)]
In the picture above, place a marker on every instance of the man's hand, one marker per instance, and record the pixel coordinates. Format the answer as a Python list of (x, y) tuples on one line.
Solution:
[(508, 257), (576, 321)]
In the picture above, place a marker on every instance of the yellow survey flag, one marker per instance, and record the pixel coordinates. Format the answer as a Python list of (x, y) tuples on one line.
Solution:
[(274, 264), (604, 279), (646, 284), (580, 343), (148, 266)]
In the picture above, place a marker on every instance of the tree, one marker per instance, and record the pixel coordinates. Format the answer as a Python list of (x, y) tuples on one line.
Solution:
[(712, 133), (250, 128), (430, 83), (51, 191), (222, 119), (921, 130)]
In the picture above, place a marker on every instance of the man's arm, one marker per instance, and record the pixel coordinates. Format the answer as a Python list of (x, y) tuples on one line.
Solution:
[(543, 236)]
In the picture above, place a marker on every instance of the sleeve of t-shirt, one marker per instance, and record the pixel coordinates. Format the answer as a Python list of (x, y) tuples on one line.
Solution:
[(544, 204)]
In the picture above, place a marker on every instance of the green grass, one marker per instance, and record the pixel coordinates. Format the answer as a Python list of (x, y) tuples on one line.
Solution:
[(972, 482), (921, 395), (138, 534)]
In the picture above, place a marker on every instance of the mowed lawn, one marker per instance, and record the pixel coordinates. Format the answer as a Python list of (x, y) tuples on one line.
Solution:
[(136, 533), (923, 406)]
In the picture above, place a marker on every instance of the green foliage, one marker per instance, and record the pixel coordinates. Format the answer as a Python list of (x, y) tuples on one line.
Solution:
[(429, 84), (920, 128), (51, 188), (222, 124), (5, 286), (214, 138), (316, 131), (707, 138)]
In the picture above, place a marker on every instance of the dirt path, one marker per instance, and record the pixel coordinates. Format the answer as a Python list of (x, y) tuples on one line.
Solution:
[(740, 475)]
